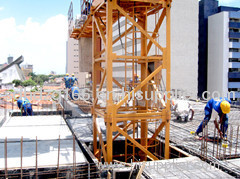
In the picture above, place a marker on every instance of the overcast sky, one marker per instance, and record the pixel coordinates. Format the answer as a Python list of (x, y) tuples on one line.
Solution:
[(38, 31)]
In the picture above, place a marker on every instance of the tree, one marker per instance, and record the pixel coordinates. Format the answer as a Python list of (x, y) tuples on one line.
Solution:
[(17, 83), (32, 74), (29, 82)]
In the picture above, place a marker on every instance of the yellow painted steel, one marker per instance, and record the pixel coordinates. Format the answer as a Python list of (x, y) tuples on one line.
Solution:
[(99, 23)]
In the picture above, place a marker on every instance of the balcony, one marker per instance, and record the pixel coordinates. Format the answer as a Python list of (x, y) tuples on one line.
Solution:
[(234, 44), (237, 94), (234, 54), (234, 75), (233, 84), (234, 34), (234, 25), (234, 14), (234, 64)]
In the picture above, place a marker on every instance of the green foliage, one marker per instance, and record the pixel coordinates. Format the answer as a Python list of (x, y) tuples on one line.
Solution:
[(34, 89), (39, 79), (36, 80), (11, 90), (29, 82), (17, 83)]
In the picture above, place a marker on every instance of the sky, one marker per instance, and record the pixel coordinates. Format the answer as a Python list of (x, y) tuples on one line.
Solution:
[(37, 29)]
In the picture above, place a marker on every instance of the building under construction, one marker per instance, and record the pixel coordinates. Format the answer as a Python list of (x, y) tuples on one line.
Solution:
[(123, 126)]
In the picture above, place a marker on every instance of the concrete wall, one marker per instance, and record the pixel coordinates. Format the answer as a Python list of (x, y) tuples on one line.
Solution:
[(184, 44), (73, 65), (218, 52), (85, 54)]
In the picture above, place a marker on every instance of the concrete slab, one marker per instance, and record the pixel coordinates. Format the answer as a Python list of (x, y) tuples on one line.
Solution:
[(234, 164), (189, 167), (28, 127), (47, 129), (47, 154), (82, 128)]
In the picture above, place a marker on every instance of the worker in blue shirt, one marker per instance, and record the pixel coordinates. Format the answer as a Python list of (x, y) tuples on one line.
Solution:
[(24, 105), (67, 80), (73, 80), (74, 93), (216, 109)]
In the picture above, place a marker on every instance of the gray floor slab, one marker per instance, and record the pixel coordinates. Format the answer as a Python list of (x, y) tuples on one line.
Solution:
[(47, 154), (47, 129), (189, 167), (28, 127)]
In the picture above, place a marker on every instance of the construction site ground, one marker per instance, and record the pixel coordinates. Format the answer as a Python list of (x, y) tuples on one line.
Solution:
[(49, 128), (180, 136)]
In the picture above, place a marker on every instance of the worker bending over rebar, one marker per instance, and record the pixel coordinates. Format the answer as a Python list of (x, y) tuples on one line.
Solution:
[(24, 105), (216, 109)]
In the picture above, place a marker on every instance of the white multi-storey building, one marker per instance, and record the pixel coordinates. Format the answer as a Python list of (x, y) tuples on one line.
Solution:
[(224, 54)]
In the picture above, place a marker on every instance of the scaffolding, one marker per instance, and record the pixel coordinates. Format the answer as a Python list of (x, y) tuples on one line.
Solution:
[(99, 24)]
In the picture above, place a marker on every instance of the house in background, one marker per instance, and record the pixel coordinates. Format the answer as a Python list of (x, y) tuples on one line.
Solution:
[(11, 72), (26, 69)]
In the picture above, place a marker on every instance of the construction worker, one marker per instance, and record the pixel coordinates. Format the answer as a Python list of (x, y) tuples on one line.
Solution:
[(73, 80), (73, 93), (24, 105), (216, 109), (66, 80), (136, 80), (182, 109)]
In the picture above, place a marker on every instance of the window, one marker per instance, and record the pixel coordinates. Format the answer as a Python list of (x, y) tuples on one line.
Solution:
[(234, 20), (234, 40), (234, 30), (233, 89), (234, 69), (233, 50), (234, 79), (234, 59)]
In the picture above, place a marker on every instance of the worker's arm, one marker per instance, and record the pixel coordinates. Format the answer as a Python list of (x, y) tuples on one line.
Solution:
[(217, 125), (22, 110)]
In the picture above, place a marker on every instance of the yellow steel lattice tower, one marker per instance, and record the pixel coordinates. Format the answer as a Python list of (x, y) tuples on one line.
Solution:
[(99, 23)]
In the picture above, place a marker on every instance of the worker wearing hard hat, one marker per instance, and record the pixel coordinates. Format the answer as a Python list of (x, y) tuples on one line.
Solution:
[(136, 80), (66, 80), (73, 79), (216, 109), (74, 93), (182, 109), (24, 105)]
